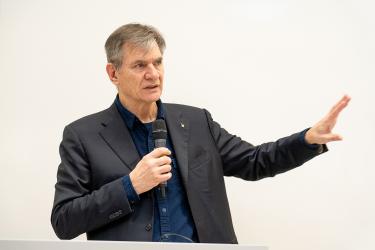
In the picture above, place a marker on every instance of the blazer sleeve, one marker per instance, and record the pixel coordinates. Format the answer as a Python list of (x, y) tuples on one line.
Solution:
[(77, 208), (249, 162)]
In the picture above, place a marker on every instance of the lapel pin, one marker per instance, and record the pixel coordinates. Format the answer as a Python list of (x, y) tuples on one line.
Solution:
[(182, 125)]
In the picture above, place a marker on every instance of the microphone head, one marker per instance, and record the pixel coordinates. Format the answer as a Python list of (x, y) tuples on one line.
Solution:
[(159, 129)]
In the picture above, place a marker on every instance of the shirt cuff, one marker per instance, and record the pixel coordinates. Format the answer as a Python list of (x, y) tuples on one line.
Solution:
[(129, 189)]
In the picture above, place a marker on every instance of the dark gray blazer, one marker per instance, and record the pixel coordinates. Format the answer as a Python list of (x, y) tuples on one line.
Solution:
[(97, 151)]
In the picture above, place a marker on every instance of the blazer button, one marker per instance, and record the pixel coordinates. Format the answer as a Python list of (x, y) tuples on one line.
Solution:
[(148, 227)]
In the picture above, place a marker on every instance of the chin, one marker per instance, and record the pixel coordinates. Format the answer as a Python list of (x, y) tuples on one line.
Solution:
[(152, 98)]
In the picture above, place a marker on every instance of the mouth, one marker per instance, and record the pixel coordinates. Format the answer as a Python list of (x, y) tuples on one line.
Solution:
[(155, 86)]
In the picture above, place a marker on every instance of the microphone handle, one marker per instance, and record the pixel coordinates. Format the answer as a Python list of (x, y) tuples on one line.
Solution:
[(158, 144)]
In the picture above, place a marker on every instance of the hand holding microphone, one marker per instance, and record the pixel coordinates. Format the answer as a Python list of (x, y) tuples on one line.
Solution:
[(154, 168), (159, 134)]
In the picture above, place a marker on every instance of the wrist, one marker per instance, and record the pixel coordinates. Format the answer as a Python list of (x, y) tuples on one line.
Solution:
[(129, 189), (134, 183), (309, 138)]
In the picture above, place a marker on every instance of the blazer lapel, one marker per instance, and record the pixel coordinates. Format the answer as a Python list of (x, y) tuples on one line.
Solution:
[(178, 128), (118, 138)]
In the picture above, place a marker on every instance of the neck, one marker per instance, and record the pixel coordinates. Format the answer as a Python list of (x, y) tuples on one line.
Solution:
[(145, 112)]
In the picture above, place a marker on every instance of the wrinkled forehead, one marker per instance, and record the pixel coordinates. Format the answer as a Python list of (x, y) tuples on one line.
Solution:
[(144, 51), (143, 47)]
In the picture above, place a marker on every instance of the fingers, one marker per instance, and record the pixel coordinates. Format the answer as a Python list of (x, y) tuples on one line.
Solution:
[(345, 98), (321, 132), (162, 173), (159, 161), (153, 169), (165, 177), (163, 170), (164, 160), (158, 157), (158, 152), (338, 107)]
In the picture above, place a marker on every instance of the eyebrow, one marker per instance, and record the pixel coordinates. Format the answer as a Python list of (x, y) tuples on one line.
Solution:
[(159, 59)]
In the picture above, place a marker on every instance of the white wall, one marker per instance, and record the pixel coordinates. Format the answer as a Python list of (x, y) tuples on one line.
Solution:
[(264, 69)]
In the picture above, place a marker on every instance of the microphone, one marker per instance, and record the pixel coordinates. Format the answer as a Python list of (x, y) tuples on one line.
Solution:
[(159, 134)]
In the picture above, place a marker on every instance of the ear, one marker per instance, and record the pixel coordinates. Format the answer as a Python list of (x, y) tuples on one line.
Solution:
[(112, 73)]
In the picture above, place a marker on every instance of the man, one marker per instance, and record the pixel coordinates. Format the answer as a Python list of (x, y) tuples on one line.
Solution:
[(108, 180)]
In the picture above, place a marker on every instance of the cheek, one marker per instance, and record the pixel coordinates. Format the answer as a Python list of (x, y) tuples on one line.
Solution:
[(133, 82), (161, 76)]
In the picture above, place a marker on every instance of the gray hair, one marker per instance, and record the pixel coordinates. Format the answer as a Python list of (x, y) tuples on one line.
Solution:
[(136, 34)]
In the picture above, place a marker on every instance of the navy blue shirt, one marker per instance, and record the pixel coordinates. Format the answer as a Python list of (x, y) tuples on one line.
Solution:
[(172, 216)]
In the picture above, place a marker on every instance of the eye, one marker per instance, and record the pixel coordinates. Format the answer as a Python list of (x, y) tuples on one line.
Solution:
[(158, 62), (139, 65)]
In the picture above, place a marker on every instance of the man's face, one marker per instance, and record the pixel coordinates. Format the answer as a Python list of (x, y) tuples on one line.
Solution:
[(140, 78)]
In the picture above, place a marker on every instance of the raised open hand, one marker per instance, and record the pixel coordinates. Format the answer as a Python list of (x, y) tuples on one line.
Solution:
[(321, 132)]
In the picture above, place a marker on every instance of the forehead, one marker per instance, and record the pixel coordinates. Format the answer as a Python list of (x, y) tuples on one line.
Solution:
[(141, 53)]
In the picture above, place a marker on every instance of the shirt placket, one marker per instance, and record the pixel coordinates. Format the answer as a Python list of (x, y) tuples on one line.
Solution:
[(162, 203)]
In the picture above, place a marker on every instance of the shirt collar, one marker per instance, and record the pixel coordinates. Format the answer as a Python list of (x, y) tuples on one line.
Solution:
[(130, 119)]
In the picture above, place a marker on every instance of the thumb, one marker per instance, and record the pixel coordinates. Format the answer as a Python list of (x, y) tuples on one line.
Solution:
[(332, 137), (158, 152)]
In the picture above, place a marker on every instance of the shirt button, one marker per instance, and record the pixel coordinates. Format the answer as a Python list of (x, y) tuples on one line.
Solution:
[(148, 227), (164, 210)]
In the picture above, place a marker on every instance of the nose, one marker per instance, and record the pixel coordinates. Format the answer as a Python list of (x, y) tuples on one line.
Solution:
[(152, 73)]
